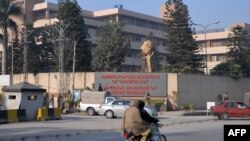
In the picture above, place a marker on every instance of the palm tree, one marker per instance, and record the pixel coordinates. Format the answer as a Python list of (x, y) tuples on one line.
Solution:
[(7, 10)]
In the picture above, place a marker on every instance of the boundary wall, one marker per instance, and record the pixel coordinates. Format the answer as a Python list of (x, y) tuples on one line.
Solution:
[(190, 88)]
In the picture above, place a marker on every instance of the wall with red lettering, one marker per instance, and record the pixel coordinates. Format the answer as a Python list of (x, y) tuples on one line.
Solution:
[(133, 84)]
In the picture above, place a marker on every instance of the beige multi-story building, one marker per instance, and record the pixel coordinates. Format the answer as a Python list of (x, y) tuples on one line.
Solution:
[(212, 43), (137, 26)]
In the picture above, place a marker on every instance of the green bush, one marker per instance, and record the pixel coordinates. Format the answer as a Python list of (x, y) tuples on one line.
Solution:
[(191, 106), (187, 107)]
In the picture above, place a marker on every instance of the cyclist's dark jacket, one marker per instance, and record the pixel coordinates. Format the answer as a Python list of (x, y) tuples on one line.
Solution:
[(145, 116)]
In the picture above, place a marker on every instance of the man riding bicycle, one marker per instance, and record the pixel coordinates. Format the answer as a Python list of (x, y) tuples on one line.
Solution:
[(137, 121)]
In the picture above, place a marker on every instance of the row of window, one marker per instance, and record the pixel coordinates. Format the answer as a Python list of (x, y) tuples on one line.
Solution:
[(213, 43), (137, 54), (139, 38), (218, 58), (42, 14), (141, 22), (134, 21)]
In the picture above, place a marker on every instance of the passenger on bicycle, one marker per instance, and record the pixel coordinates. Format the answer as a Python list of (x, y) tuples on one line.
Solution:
[(146, 117), (133, 121), (144, 114)]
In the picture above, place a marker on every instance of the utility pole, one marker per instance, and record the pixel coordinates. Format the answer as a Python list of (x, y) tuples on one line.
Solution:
[(25, 34), (73, 69), (61, 45), (25, 56), (74, 61), (205, 40), (12, 62), (61, 31)]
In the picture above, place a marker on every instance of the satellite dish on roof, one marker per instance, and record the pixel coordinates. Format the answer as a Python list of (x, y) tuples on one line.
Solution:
[(118, 6)]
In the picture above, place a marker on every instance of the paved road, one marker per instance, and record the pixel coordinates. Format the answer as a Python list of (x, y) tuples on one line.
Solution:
[(76, 125)]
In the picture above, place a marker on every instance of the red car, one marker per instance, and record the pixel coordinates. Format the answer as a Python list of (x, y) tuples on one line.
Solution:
[(227, 109)]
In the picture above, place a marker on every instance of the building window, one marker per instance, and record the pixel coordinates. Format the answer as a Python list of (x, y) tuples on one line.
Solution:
[(107, 18), (127, 20), (137, 38), (201, 44), (218, 57), (12, 97), (32, 97), (129, 53), (40, 14), (151, 25), (217, 43), (53, 14), (222, 58), (141, 23), (213, 58)]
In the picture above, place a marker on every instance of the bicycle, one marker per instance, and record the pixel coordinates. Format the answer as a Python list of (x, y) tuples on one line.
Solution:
[(156, 134)]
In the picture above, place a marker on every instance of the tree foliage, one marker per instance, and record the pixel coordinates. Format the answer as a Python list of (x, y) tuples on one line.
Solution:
[(238, 54), (17, 53), (228, 68), (12, 43), (8, 10), (70, 13), (42, 55), (181, 47), (111, 48)]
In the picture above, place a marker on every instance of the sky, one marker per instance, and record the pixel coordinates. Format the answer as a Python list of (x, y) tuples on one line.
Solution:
[(203, 12)]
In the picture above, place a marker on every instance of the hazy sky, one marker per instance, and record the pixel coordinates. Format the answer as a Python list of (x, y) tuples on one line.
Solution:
[(203, 12)]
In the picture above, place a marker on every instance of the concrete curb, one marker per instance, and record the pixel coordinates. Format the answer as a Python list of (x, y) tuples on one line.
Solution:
[(187, 122)]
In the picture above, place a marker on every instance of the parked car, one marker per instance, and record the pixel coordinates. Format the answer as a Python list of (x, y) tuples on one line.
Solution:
[(92, 100), (228, 109), (117, 107)]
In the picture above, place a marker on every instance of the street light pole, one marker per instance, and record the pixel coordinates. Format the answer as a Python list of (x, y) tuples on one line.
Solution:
[(74, 61), (61, 30), (205, 40), (12, 62), (73, 69)]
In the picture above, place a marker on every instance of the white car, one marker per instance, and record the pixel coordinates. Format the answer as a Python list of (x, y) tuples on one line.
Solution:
[(117, 107)]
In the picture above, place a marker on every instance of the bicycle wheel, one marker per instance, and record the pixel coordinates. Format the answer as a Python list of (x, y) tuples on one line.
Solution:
[(162, 138)]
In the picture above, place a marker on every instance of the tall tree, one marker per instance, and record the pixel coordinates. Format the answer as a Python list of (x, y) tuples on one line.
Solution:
[(8, 9), (17, 56), (10, 49), (238, 54), (41, 53), (111, 48), (239, 45), (70, 13), (181, 46), (229, 68)]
